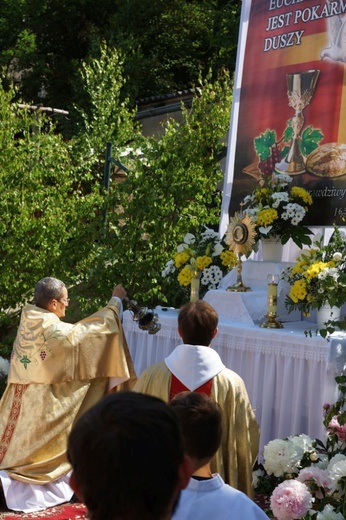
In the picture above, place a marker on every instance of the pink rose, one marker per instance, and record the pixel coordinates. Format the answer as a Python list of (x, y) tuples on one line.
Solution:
[(290, 500)]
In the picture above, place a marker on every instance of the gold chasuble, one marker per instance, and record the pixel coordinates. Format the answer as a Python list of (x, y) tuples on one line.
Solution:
[(58, 370), (240, 440)]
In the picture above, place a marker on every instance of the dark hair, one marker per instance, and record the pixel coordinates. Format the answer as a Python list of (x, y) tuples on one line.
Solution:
[(200, 418), (47, 290), (197, 322), (125, 453)]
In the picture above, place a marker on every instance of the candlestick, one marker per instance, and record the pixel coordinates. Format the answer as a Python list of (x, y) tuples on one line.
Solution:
[(272, 322)]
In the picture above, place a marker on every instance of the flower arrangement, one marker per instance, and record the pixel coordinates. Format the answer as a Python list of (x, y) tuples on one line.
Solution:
[(306, 478), (278, 210), (205, 256), (319, 276)]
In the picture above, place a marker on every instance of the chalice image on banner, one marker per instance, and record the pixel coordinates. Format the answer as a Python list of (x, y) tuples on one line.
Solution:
[(300, 90)]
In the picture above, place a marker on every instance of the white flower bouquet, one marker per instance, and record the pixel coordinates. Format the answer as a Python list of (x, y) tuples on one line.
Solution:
[(206, 256)]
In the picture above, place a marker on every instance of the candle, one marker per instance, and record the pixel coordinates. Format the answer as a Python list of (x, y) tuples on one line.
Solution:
[(272, 280), (194, 287)]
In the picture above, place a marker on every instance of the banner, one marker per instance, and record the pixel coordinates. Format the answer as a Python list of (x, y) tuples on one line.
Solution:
[(289, 104)]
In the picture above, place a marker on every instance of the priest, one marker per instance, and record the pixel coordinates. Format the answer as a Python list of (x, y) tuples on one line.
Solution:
[(58, 371), (194, 366)]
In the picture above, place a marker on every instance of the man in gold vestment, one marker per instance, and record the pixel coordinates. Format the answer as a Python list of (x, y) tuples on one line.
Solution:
[(196, 367), (58, 371)]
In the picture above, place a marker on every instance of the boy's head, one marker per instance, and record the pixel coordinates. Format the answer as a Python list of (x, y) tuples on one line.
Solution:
[(127, 458), (200, 418), (197, 323)]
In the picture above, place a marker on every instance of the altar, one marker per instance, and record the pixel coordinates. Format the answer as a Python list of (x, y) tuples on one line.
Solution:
[(288, 375)]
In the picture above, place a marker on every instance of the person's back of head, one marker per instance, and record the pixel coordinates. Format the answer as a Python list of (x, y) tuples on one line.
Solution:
[(127, 457), (200, 418), (46, 290), (197, 323)]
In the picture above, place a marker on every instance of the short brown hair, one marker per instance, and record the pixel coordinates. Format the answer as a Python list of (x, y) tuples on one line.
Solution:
[(200, 419), (125, 453), (197, 322)]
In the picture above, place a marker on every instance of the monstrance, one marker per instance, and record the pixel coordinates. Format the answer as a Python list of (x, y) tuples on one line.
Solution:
[(240, 237)]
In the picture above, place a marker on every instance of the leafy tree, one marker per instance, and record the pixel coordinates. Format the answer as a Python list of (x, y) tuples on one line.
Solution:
[(167, 44), (48, 216), (52, 197), (170, 190)]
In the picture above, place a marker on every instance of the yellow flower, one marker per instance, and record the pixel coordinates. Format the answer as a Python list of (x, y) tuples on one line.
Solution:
[(296, 191), (299, 268), (298, 291), (185, 275), (229, 259), (181, 259), (266, 217), (203, 261), (314, 270)]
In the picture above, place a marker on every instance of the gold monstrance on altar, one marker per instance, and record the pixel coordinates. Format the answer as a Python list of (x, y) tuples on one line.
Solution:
[(240, 237)]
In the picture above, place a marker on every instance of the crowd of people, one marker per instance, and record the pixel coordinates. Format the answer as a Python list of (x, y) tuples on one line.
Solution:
[(75, 422)]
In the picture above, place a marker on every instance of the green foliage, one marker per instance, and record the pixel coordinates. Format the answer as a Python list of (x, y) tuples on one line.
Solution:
[(310, 139), (53, 201), (170, 192), (168, 43), (49, 215)]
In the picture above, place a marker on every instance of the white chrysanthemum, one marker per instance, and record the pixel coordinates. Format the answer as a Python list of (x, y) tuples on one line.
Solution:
[(253, 213), (4, 367), (169, 269), (209, 234), (283, 179), (211, 277), (282, 456), (337, 472), (331, 272), (279, 197), (329, 513), (293, 212)]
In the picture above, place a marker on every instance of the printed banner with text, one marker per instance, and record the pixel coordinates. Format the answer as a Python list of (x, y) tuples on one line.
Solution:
[(291, 100)]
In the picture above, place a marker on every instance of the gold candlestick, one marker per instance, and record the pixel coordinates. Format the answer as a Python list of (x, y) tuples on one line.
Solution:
[(272, 322)]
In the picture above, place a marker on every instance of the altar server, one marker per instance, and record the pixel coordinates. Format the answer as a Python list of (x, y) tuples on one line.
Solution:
[(206, 495), (194, 366)]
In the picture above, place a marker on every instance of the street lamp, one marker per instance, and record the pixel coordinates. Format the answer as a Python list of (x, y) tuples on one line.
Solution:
[(107, 172)]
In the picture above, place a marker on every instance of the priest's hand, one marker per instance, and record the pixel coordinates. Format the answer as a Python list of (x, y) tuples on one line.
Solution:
[(119, 291)]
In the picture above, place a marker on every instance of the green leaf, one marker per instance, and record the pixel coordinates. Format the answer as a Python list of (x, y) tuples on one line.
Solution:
[(310, 139), (263, 144)]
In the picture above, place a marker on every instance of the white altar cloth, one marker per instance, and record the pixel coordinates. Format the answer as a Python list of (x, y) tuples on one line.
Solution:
[(285, 372), (251, 306)]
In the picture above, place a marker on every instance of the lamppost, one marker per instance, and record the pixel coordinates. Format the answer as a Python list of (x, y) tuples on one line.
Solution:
[(107, 173)]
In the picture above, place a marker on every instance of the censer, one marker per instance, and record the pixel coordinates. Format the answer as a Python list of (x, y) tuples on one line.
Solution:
[(146, 318)]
